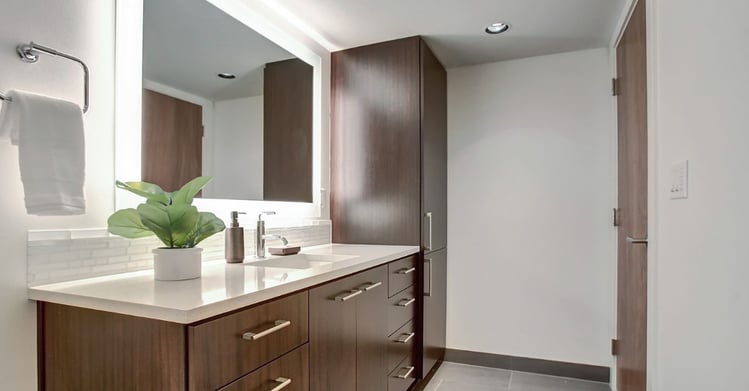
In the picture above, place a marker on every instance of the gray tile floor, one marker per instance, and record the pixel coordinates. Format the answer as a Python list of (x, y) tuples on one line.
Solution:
[(460, 377)]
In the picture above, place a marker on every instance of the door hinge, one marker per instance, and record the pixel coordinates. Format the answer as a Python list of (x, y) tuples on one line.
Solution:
[(614, 347), (616, 217), (615, 87)]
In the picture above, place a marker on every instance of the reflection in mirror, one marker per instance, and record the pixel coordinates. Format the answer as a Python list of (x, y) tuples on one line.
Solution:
[(219, 99)]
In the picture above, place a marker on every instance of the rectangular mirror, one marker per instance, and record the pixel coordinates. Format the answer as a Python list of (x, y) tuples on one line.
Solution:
[(222, 100)]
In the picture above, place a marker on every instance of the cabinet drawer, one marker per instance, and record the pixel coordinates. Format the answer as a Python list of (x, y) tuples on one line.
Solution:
[(291, 369), (401, 274), (224, 349), (401, 308), (401, 345), (401, 378)]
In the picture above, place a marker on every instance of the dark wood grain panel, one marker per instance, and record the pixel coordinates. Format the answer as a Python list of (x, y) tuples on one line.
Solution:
[(399, 311), (372, 335), (398, 350), (219, 355), (396, 383), (435, 309), (287, 131), (348, 344), (293, 366), (632, 143), (434, 149), (376, 145), (333, 336), (87, 350), (402, 274), (172, 141)]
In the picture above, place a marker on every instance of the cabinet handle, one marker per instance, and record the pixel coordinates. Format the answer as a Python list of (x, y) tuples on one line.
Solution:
[(282, 383), (371, 286), (429, 217), (406, 302), (428, 292), (405, 372), (637, 240), (278, 325), (405, 338), (406, 271), (350, 295)]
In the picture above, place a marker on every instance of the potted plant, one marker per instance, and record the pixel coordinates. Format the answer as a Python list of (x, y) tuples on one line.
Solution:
[(174, 220)]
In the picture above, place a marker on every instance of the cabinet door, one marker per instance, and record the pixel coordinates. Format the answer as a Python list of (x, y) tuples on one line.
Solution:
[(434, 150), (332, 337), (435, 307), (372, 333), (348, 333), (375, 165)]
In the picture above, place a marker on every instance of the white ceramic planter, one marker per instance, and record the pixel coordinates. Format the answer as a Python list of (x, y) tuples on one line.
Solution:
[(176, 264)]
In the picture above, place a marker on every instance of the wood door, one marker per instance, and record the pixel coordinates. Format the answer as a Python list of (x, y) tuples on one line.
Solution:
[(434, 150), (372, 333), (435, 308), (172, 140), (332, 335), (376, 145), (287, 131), (633, 174)]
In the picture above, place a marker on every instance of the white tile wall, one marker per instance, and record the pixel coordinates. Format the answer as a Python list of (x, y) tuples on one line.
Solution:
[(64, 255)]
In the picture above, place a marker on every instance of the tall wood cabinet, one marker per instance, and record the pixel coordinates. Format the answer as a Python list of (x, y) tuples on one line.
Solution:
[(389, 164)]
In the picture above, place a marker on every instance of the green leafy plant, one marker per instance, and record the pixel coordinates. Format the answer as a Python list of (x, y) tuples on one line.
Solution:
[(168, 215)]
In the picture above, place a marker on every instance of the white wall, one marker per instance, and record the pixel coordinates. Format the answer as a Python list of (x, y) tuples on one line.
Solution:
[(83, 28), (238, 146), (530, 190), (701, 267)]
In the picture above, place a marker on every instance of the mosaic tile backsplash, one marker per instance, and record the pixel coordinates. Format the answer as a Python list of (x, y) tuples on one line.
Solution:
[(65, 255)]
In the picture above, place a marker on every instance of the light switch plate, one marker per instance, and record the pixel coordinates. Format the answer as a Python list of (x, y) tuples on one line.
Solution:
[(680, 180)]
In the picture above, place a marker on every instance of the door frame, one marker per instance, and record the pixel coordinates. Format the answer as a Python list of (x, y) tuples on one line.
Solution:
[(653, 234)]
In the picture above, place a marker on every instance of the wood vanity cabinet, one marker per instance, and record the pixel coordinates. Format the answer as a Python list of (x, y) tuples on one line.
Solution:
[(351, 334), (389, 164)]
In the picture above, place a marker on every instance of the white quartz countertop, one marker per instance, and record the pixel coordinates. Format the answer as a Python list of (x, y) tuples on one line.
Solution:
[(222, 288)]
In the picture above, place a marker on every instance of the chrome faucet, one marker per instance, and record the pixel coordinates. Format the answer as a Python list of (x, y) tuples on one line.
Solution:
[(261, 237)]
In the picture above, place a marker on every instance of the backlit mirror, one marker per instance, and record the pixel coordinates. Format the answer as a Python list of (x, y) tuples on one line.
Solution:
[(220, 99)]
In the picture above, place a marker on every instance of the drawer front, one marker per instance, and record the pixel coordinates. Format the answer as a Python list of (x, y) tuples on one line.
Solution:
[(403, 376), (401, 309), (401, 345), (222, 350), (288, 373), (401, 274)]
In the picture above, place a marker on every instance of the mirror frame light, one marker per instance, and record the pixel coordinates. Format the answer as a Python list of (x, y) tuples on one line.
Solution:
[(128, 108)]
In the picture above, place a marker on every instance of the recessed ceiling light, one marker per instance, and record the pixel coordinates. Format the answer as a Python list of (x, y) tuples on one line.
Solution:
[(225, 75), (497, 28)]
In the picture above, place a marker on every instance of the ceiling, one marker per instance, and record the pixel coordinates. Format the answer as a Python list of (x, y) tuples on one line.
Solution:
[(454, 29), (186, 43)]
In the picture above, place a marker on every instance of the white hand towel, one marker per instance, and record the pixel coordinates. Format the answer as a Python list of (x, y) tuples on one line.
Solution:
[(50, 139)]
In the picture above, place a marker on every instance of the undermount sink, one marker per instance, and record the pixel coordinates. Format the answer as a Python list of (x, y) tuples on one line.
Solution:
[(300, 261)]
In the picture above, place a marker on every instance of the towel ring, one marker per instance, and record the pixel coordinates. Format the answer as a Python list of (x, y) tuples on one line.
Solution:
[(29, 53)]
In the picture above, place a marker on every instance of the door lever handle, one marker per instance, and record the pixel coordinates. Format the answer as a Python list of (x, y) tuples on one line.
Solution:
[(637, 240)]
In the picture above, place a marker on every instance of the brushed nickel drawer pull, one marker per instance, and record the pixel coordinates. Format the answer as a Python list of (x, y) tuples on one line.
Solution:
[(282, 383), (405, 338), (406, 302), (278, 325), (428, 215), (407, 271), (350, 295), (371, 286), (637, 240), (405, 372)]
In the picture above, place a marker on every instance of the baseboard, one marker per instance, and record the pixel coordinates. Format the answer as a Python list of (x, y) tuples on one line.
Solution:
[(532, 365)]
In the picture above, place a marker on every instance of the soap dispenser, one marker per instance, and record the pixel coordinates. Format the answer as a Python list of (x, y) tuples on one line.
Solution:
[(234, 249)]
